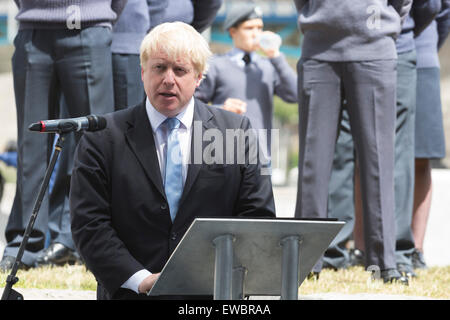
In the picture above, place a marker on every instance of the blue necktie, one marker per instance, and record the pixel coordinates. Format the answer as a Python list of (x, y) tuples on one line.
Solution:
[(174, 176)]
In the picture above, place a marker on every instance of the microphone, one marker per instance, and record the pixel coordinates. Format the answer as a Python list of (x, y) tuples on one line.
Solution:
[(87, 123)]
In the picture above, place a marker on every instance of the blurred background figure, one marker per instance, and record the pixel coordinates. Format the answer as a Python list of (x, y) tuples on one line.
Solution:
[(338, 63), (243, 81), (344, 179), (62, 49), (128, 32), (429, 134)]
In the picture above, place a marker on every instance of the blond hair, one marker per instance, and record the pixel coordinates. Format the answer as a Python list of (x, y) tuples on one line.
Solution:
[(177, 39)]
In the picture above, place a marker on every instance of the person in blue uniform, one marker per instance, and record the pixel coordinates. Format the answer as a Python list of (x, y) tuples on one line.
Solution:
[(243, 81), (349, 53), (61, 50), (342, 194), (429, 129)]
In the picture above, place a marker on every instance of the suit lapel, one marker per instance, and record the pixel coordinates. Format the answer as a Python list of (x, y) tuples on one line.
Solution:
[(201, 115), (140, 139)]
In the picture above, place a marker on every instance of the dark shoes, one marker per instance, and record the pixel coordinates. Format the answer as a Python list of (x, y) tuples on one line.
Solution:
[(388, 276), (418, 260), (7, 264), (393, 276), (313, 275), (327, 265), (406, 270), (57, 254), (356, 257)]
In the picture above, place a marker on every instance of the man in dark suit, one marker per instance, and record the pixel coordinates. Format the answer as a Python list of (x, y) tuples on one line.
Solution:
[(132, 199)]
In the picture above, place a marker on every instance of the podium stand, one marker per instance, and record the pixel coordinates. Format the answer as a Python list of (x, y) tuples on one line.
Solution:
[(231, 258)]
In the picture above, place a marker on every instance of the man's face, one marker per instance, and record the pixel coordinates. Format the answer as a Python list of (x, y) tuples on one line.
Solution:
[(169, 84), (245, 36)]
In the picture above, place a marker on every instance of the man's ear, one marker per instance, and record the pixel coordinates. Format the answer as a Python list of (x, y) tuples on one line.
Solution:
[(199, 79), (142, 74), (232, 31)]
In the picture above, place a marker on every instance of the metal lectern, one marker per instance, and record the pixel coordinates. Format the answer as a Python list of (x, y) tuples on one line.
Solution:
[(231, 258)]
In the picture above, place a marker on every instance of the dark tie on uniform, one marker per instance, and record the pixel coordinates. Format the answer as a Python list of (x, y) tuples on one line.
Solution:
[(246, 59)]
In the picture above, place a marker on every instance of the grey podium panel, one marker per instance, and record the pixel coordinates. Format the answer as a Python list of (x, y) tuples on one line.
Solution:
[(190, 269)]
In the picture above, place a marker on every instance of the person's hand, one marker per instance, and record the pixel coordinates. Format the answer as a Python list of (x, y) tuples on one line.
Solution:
[(271, 52), (148, 283), (235, 105)]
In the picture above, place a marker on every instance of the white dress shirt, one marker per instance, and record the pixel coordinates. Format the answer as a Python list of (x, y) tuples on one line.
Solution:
[(160, 134), (236, 56)]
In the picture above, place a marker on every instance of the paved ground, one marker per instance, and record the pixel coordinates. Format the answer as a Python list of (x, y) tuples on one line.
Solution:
[(8, 129), (51, 294)]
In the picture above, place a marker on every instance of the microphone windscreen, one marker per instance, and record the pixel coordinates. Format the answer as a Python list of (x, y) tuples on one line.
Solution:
[(35, 126), (101, 123), (96, 123)]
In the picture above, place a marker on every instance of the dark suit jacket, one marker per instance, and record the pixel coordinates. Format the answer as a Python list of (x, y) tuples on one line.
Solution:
[(120, 216)]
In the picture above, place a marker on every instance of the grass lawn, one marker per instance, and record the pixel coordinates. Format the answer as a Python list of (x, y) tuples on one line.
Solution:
[(431, 283)]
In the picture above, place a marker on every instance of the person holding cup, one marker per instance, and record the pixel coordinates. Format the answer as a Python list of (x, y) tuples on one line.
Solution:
[(244, 82)]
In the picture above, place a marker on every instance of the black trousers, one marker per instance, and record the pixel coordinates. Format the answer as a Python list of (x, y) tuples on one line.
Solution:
[(48, 65)]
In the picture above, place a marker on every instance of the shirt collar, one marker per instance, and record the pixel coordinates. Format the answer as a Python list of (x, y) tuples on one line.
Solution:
[(237, 54), (186, 116)]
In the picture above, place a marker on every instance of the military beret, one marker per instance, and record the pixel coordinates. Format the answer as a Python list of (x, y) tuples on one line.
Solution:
[(241, 12)]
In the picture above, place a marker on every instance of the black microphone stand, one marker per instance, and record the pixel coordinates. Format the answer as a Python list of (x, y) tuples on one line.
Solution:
[(9, 293)]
